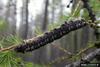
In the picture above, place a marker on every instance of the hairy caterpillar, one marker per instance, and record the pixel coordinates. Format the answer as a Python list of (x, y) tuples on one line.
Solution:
[(49, 37)]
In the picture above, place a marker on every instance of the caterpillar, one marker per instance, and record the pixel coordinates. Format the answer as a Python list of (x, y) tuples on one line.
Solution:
[(49, 37), (89, 9)]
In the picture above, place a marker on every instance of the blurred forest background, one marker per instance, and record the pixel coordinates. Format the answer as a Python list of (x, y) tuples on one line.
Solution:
[(30, 18)]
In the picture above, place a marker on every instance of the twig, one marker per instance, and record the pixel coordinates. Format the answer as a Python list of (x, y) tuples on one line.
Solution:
[(48, 37), (77, 7), (59, 59), (71, 56), (62, 49), (8, 48), (89, 9), (88, 58)]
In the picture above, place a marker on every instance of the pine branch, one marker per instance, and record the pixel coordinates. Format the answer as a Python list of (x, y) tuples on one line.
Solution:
[(62, 49), (93, 18), (48, 37), (89, 9), (8, 48), (71, 56), (87, 59)]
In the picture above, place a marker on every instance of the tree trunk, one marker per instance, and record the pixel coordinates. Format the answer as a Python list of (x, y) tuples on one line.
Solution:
[(42, 54), (53, 12), (45, 21), (26, 18), (10, 16), (24, 23)]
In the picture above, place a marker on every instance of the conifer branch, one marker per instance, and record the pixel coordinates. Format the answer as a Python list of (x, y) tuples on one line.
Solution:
[(48, 37), (86, 59), (89, 9)]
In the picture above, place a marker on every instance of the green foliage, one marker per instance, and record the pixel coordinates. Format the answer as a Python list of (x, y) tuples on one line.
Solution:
[(3, 25), (38, 31), (85, 14), (56, 24), (76, 11), (64, 17), (53, 25), (10, 40), (29, 65), (96, 6), (8, 59), (35, 65)]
